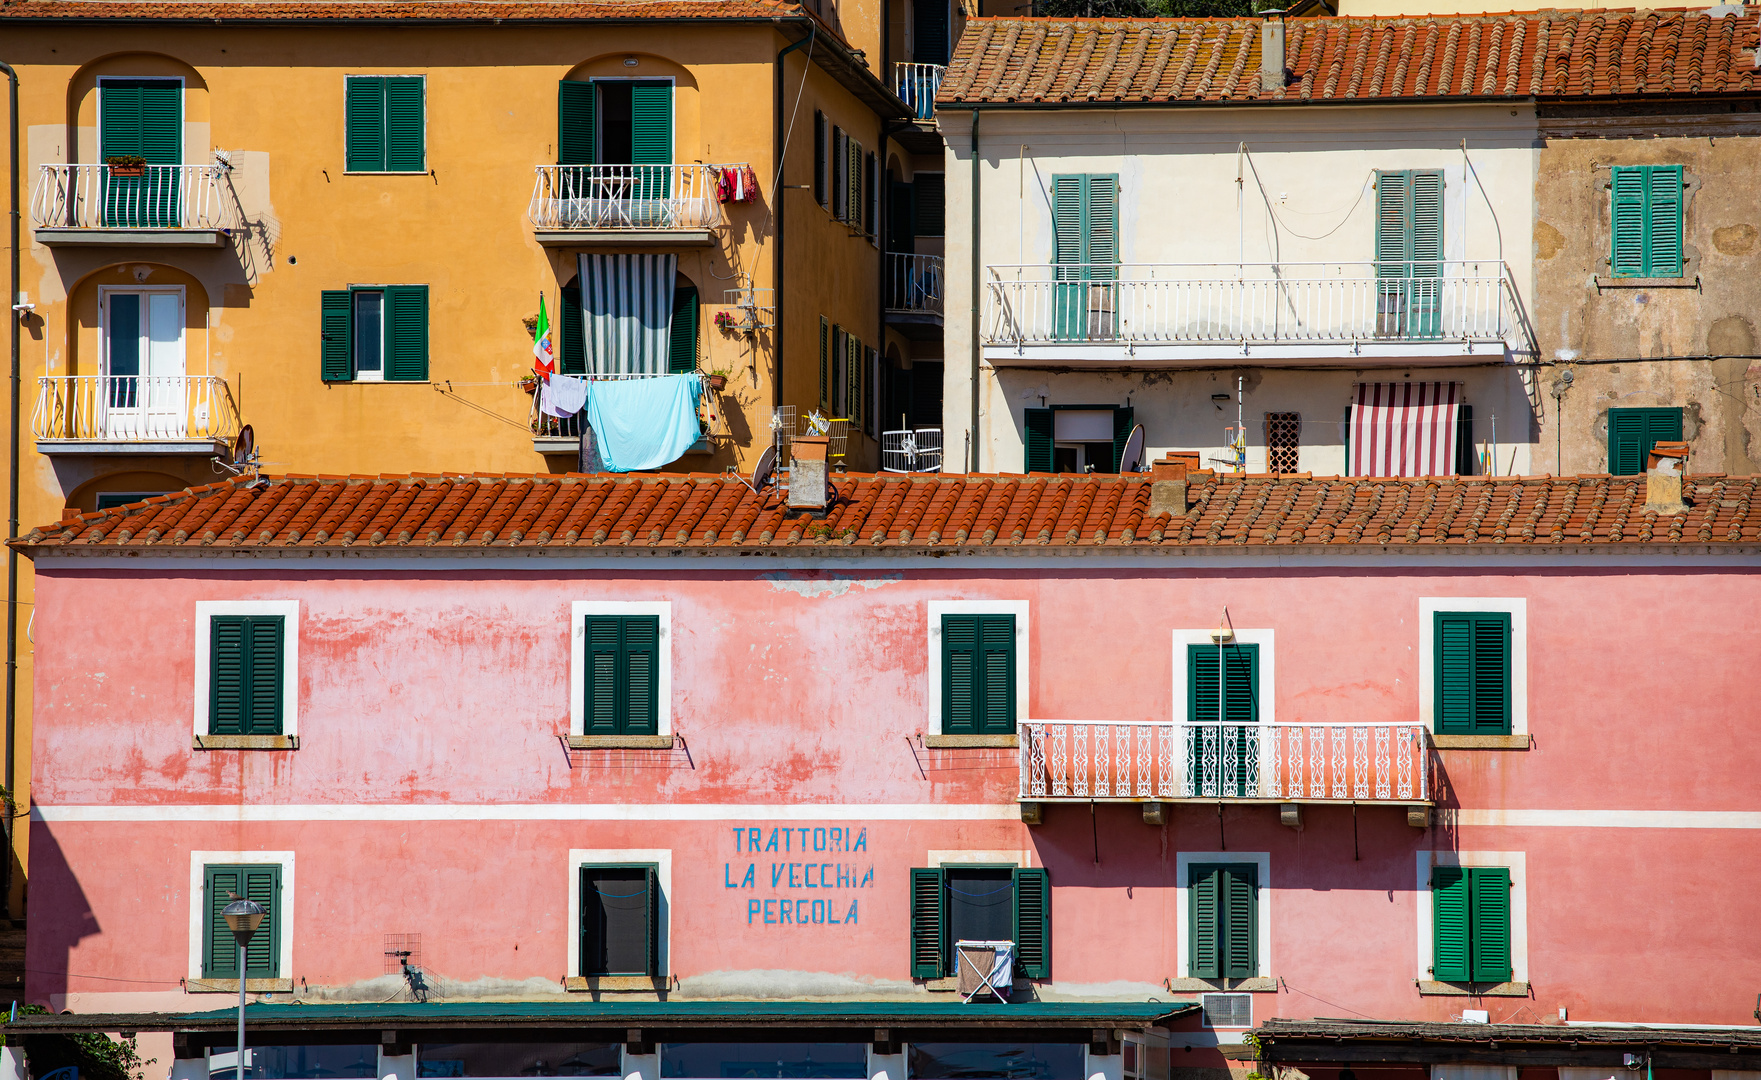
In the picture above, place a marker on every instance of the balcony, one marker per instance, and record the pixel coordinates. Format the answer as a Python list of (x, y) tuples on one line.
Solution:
[(914, 295), (1170, 314), (96, 206), (916, 85), (562, 434), (1161, 761), (672, 205), (133, 414)]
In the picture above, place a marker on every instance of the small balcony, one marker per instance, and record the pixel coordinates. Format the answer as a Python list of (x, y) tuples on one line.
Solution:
[(916, 85), (116, 206), (134, 414), (670, 205), (1162, 761), (1168, 314), (914, 295)]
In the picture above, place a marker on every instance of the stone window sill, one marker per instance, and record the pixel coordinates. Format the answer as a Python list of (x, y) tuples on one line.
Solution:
[(578, 984), (245, 742), (230, 986), (1258, 985), (959, 742), (1509, 989), (1603, 282), (620, 742), (1481, 742)]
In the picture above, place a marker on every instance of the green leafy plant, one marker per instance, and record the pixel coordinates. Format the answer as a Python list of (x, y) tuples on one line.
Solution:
[(127, 160), (98, 1057)]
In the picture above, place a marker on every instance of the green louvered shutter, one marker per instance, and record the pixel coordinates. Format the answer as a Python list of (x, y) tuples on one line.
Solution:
[(1067, 231), (1627, 221), (226, 673), (574, 122), (651, 878), (1472, 673), (336, 337), (1492, 674), (1489, 933), (1204, 921), (263, 954), (1239, 685), (853, 350), (1449, 922), (1663, 221), (651, 124), (141, 117), (928, 945), (406, 337), (929, 198), (1426, 253), (219, 947), (929, 31), (820, 158), (405, 139), (604, 644), (825, 364), (571, 331), (682, 339), (996, 641), (1033, 922), (1101, 228), (364, 136), (639, 676), (264, 674), (1237, 900), (960, 675), (1124, 420), (1393, 192), (119, 118), (1038, 427), (1633, 432)]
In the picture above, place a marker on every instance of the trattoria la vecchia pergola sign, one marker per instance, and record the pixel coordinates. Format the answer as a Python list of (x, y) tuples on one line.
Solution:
[(800, 876)]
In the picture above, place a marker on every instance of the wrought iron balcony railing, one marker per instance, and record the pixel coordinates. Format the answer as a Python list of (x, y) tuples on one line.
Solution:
[(917, 85), (145, 197), (626, 198), (134, 409), (914, 283)]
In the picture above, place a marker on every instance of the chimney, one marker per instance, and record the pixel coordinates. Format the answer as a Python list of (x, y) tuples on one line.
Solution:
[(1663, 477), (808, 482), (1168, 482), (1271, 51)]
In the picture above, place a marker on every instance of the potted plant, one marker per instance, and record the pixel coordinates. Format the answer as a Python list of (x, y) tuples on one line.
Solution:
[(529, 383), (724, 320), (126, 165), (717, 380)]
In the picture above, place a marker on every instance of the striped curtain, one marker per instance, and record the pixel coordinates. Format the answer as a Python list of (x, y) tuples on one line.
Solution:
[(1404, 429), (627, 309)]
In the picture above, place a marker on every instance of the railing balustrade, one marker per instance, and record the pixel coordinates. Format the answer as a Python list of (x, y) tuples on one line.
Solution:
[(1126, 761), (916, 85), (914, 283), (1141, 303), (134, 408), (545, 426), (103, 197), (627, 198)]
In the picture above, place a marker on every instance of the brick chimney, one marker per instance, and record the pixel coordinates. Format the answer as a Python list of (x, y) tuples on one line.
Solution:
[(808, 482), (1663, 477), (1168, 482)]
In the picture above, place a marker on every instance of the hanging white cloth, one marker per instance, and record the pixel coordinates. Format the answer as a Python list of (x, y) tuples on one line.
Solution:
[(562, 396)]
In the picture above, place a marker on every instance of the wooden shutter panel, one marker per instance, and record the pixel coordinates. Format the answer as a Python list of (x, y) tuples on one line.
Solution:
[(406, 337), (364, 134), (929, 31), (226, 675), (336, 336), (571, 331), (1067, 222), (871, 196), (837, 170), (1038, 429), (1101, 228), (1238, 889), (682, 339), (1241, 664), (1489, 927), (1491, 703), (853, 177), (1124, 420), (1449, 914), (1033, 922), (219, 948), (960, 671), (825, 363), (1627, 221), (819, 157), (640, 676), (119, 119), (1454, 649), (996, 641), (264, 674), (405, 144), (574, 122), (1204, 931), (263, 954), (651, 124), (929, 204), (1425, 223), (652, 879), (603, 643), (1663, 221), (928, 947), (1393, 191), (161, 122)]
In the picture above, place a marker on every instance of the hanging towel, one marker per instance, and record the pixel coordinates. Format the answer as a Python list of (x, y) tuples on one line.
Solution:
[(563, 396), (644, 423)]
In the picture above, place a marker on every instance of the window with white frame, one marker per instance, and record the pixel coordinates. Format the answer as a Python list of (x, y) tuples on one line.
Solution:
[(620, 668), (217, 878), (619, 907), (1224, 914), (1224, 699), (247, 669), (1473, 923), (978, 667), (1473, 665)]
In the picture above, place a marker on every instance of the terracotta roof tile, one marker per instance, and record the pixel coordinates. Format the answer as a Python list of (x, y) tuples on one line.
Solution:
[(1532, 54), (404, 10)]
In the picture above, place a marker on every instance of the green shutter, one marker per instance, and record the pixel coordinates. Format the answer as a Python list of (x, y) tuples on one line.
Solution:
[(1204, 921), (1492, 674), (960, 672), (1033, 922), (1101, 228), (651, 878), (264, 674), (825, 364), (1409, 251), (929, 204), (1238, 901), (119, 119), (651, 124), (574, 123), (1393, 195), (263, 954), (1124, 420), (245, 674), (406, 333), (405, 149), (1240, 684), (219, 947), (1627, 221), (603, 643), (1455, 674), (682, 339), (571, 331), (223, 884), (819, 157), (640, 675), (928, 945), (336, 337), (1449, 934), (1633, 432), (226, 675), (1663, 221), (364, 136), (1038, 428), (1067, 225), (1489, 934), (141, 117), (996, 640), (1472, 673)]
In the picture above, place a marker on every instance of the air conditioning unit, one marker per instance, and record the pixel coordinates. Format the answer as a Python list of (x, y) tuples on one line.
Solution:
[(1227, 1010)]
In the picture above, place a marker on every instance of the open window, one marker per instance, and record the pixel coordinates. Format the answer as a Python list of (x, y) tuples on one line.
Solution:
[(620, 920), (980, 903)]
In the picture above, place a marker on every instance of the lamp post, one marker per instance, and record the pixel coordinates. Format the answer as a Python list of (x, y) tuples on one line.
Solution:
[(242, 917)]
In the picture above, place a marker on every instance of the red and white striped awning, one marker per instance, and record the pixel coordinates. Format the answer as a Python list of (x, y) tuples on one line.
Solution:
[(1404, 429)]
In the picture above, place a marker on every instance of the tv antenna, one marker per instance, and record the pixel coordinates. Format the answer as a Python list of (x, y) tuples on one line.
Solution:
[(765, 471), (1131, 459), (241, 456)]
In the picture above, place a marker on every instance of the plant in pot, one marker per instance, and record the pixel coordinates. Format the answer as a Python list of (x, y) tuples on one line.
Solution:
[(122, 165), (717, 380)]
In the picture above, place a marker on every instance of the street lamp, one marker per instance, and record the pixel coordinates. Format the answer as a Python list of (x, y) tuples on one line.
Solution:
[(242, 917)]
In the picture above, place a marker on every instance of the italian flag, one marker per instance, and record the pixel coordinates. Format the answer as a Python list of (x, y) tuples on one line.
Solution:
[(545, 358)]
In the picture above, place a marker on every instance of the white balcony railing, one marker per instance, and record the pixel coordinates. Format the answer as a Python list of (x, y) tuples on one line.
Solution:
[(161, 197), (1144, 761), (1253, 303), (914, 283), (916, 85), (134, 408), (627, 198)]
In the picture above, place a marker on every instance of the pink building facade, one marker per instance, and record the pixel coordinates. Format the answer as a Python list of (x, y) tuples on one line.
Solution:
[(1201, 786)]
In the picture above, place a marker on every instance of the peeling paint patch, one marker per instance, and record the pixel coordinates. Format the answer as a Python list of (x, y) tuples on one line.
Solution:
[(811, 585)]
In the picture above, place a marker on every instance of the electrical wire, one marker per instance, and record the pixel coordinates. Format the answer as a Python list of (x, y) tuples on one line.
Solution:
[(1261, 184)]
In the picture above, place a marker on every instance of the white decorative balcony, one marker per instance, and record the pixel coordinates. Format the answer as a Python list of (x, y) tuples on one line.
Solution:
[(916, 85), (133, 414), (671, 204), (1161, 761), (162, 205), (914, 293), (1171, 313)]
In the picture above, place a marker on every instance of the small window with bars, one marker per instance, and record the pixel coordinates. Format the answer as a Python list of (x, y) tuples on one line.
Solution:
[(1227, 1010), (1283, 436)]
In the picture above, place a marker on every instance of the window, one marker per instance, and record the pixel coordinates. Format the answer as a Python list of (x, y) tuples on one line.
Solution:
[(614, 122), (504, 1059), (1223, 706), (840, 162), (141, 118), (929, 31), (1646, 221), (825, 364), (1633, 432), (221, 885), (384, 126), (821, 158), (997, 1061), (1076, 438), (928, 197), (1472, 651), (247, 669), (750, 1059), (1471, 921), (980, 903), (1227, 1010), (620, 920), (143, 362), (871, 195), (1406, 429), (682, 342), (1222, 908), (621, 668), (370, 333), (978, 674), (1085, 250), (1283, 437), (110, 500), (1409, 252)]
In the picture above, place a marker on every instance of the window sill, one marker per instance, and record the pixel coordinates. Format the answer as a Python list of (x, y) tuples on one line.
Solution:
[(951, 985), (245, 742), (1256, 985), (1647, 282), (578, 984), (620, 742), (230, 986), (1508, 989), (387, 172), (1481, 742), (957, 742)]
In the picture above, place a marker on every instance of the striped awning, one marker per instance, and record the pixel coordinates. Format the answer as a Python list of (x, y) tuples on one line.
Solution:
[(1404, 429), (627, 311)]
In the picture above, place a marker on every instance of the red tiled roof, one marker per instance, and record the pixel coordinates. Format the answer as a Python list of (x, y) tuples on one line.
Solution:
[(717, 512), (1547, 54), (368, 10)]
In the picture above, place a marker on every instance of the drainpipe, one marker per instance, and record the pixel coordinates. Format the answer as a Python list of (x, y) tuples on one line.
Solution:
[(12, 498), (779, 292), (976, 280), (883, 197)]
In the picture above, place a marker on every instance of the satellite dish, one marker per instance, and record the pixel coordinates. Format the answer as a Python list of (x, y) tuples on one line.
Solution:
[(244, 446), (1132, 459), (764, 470)]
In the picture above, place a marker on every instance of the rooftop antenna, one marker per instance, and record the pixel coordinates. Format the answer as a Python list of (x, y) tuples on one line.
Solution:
[(241, 456), (1131, 459), (764, 471)]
